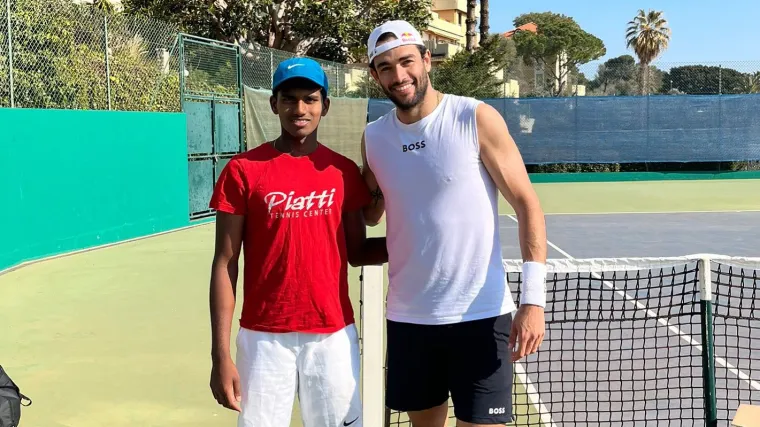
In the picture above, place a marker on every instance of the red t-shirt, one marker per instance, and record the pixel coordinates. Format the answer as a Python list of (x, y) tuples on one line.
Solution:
[(295, 276)]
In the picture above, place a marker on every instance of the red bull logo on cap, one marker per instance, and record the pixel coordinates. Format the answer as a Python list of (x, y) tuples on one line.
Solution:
[(407, 37)]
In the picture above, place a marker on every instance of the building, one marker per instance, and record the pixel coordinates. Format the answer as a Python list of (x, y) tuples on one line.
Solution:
[(445, 36), (446, 33)]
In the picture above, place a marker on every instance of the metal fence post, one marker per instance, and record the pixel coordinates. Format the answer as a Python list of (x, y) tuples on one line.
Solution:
[(243, 145), (708, 352), (10, 52), (108, 62), (181, 72)]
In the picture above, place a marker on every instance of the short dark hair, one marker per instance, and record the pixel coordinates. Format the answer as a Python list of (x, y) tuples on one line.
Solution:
[(299, 83), (388, 36)]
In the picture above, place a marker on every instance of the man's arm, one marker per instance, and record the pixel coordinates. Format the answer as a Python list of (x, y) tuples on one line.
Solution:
[(373, 212), (504, 163), (225, 383), (360, 249)]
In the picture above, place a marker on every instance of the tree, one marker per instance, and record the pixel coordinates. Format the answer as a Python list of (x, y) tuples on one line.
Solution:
[(471, 21), (104, 6), (476, 73), (484, 26), (335, 29), (367, 87), (707, 80), (59, 60), (616, 76), (648, 34), (559, 45), (752, 84)]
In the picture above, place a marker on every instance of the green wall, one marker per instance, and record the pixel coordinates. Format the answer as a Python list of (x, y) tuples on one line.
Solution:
[(75, 179)]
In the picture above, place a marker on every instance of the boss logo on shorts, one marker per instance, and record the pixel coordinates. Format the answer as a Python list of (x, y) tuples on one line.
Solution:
[(496, 411), (413, 146)]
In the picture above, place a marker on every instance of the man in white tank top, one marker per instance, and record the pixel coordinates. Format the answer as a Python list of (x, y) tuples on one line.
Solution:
[(436, 165)]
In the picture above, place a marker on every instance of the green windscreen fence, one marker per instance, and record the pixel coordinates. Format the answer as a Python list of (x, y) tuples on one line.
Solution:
[(71, 180), (340, 130)]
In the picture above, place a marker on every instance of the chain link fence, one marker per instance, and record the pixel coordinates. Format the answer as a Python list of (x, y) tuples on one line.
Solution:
[(59, 54), (345, 80), (210, 68)]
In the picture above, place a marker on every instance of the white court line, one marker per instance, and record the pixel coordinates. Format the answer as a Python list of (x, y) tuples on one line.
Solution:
[(686, 337), (649, 212), (533, 396)]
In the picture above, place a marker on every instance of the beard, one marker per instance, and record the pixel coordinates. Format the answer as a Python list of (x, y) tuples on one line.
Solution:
[(420, 88)]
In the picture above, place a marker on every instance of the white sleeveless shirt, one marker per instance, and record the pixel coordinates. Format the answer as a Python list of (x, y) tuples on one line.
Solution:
[(442, 220)]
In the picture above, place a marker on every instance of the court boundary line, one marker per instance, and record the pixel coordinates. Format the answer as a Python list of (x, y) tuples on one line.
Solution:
[(535, 399), (98, 247), (647, 212), (684, 336)]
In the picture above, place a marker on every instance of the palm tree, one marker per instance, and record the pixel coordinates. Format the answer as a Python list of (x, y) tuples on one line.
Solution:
[(648, 34), (753, 83), (484, 27), (471, 6)]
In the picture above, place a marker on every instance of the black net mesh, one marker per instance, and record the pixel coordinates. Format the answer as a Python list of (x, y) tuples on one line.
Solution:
[(624, 348), (736, 320)]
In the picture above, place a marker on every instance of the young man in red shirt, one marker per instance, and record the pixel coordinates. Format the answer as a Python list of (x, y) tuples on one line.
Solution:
[(296, 208)]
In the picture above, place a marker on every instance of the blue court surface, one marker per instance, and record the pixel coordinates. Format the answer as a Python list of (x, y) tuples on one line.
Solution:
[(643, 234)]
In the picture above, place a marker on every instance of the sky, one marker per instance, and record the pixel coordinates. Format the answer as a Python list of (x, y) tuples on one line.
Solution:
[(703, 32)]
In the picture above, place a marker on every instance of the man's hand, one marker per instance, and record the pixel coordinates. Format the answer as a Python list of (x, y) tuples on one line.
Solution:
[(528, 329), (225, 384)]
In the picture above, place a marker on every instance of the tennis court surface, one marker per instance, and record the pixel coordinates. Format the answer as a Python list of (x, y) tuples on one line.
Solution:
[(624, 332), (120, 337)]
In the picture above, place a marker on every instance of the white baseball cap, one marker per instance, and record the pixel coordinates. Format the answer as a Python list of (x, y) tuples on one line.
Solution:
[(405, 34)]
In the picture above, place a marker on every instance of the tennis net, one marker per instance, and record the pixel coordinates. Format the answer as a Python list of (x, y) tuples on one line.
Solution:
[(624, 343)]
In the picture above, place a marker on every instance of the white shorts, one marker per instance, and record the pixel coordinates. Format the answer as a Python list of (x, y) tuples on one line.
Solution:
[(322, 368)]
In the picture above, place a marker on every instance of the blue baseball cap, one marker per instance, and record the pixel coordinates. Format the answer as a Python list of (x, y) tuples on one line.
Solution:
[(299, 67)]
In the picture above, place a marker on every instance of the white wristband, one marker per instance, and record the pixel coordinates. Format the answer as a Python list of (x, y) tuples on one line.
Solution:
[(533, 286)]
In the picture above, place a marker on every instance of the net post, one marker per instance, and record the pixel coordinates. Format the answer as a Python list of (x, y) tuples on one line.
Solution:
[(708, 353), (373, 363)]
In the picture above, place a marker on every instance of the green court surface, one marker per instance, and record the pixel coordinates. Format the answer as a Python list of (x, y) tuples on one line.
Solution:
[(647, 196), (120, 336)]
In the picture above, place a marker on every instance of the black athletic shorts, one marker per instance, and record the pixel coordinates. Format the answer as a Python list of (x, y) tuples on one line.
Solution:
[(469, 360)]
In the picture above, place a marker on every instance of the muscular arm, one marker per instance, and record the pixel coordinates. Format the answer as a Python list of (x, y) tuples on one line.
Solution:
[(224, 274), (504, 163), (362, 250), (373, 212)]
